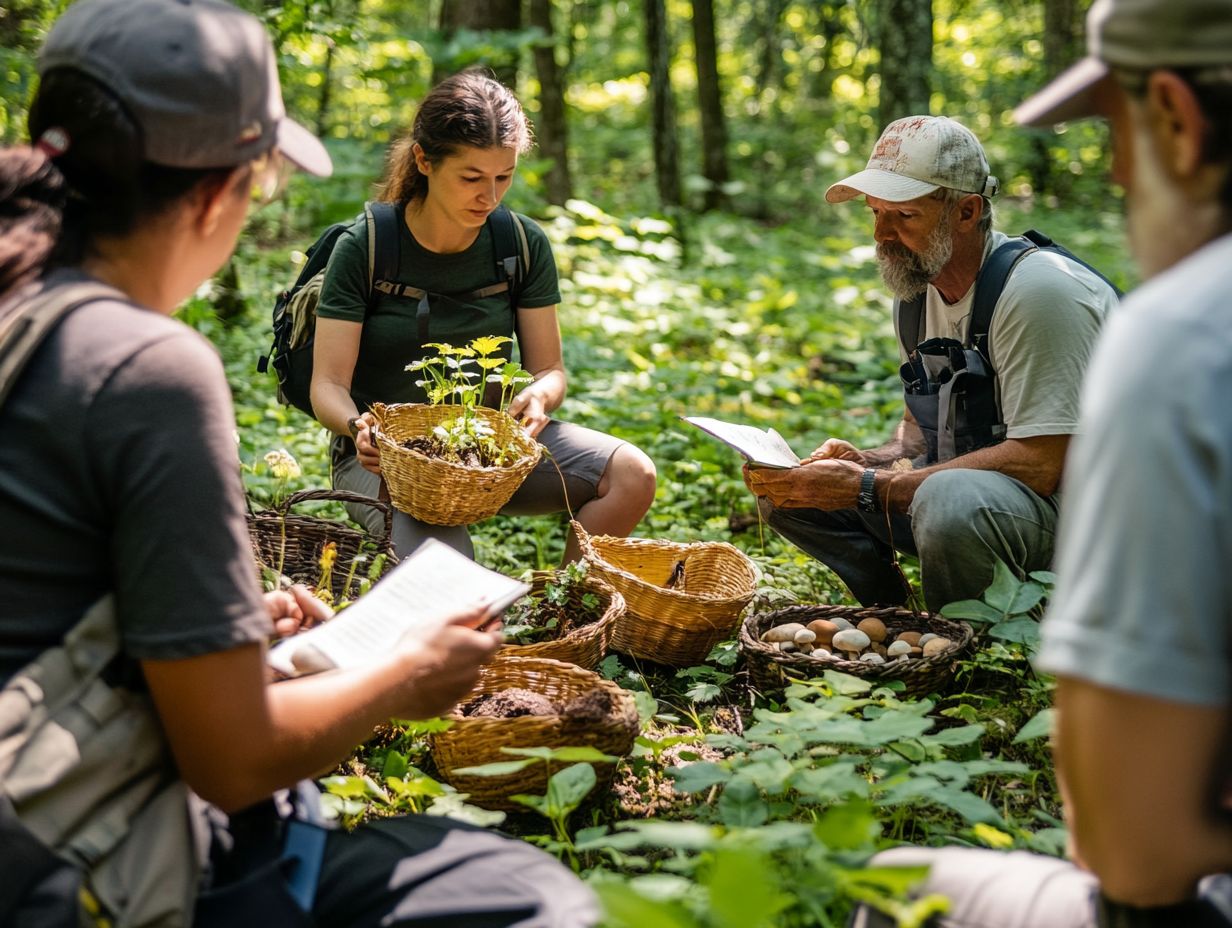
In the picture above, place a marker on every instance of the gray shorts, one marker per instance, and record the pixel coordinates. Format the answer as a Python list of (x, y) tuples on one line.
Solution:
[(582, 455)]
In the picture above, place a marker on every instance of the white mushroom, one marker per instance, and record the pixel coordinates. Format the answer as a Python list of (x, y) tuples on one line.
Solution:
[(842, 623), (872, 657), (851, 641), (786, 632), (898, 649), (804, 636), (937, 646)]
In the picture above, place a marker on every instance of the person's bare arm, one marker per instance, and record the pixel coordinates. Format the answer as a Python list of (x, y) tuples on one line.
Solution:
[(834, 482), (1142, 777), (907, 442), (236, 739), (334, 356), (539, 340)]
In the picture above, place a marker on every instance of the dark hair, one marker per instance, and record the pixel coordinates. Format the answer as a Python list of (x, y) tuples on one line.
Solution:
[(467, 110), (52, 211)]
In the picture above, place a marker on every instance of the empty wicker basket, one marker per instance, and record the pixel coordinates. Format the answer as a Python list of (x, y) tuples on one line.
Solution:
[(441, 492), (678, 624), (294, 543), (471, 742), (584, 646), (770, 670)]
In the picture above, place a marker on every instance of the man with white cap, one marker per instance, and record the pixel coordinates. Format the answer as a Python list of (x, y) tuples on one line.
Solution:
[(1140, 630), (994, 334)]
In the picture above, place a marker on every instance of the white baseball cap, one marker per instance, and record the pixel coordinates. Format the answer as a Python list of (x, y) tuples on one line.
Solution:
[(917, 155)]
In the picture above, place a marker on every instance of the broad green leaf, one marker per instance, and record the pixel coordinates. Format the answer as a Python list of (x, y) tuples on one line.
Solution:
[(1004, 587), (1024, 631), (703, 692), (567, 788), (678, 836), (827, 784), (1027, 598), (963, 734), (565, 755), (1038, 726), (396, 765), (695, 778), (744, 890), (992, 837), (845, 684), (421, 786), (972, 610), (850, 826), (742, 805), (624, 907), (1046, 577), (499, 768)]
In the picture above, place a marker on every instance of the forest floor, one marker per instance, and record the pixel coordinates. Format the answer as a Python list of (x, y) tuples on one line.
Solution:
[(781, 326)]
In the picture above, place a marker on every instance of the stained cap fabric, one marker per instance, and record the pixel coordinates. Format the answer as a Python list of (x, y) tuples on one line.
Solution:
[(914, 157)]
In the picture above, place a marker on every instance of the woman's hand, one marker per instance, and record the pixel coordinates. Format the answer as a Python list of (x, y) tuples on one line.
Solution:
[(528, 408), (445, 666), (366, 451), (295, 610)]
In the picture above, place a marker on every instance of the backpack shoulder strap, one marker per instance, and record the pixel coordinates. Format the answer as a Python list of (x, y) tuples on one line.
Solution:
[(1044, 242), (909, 322), (988, 287), (383, 251), (24, 326), (512, 250)]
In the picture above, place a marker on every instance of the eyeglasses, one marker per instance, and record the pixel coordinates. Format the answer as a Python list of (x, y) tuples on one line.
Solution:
[(269, 176)]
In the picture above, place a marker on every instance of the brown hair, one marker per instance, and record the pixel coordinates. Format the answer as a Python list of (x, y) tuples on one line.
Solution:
[(467, 110), (53, 207)]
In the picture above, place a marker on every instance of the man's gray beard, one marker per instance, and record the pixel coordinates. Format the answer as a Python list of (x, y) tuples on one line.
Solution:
[(907, 274)]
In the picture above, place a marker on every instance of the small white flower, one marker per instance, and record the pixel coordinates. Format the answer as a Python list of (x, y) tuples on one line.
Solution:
[(282, 465)]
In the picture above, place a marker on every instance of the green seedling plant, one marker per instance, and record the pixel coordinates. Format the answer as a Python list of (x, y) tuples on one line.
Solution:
[(807, 794), (1011, 608), (458, 376), (566, 788)]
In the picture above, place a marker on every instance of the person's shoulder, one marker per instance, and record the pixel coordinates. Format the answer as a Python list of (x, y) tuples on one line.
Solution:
[(535, 234)]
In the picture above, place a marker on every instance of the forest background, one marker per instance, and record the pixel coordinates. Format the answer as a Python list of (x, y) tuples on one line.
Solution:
[(684, 149)]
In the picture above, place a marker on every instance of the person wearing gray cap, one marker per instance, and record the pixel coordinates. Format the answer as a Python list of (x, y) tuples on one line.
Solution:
[(994, 334), (133, 630), (1139, 632)]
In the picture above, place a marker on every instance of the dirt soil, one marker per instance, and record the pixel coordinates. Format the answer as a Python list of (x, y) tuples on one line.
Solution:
[(435, 448), (510, 704)]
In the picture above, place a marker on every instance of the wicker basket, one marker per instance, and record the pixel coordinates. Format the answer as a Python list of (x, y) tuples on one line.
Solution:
[(584, 646), (471, 742), (677, 626), (770, 670), (437, 491), (296, 541)]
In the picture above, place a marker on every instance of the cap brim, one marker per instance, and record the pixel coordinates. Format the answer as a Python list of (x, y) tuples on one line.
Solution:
[(1070, 96), (303, 149), (884, 185)]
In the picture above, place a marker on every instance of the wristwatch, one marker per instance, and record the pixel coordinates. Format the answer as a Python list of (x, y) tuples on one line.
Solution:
[(866, 500), (353, 426)]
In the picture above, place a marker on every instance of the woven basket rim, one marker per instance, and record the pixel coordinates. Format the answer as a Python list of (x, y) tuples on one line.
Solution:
[(586, 542), (529, 665), (531, 449), (616, 607)]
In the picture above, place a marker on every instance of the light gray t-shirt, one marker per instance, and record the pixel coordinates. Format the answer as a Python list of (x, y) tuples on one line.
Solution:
[(1041, 336), (1144, 600)]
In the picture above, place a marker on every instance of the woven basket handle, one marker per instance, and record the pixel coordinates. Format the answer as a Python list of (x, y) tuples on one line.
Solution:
[(588, 549), (343, 496)]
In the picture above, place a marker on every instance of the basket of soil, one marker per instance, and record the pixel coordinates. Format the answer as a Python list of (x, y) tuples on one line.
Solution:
[(681, 599), (878, 644), (442, 485), (527, 702), (568, 616), (297, 545)]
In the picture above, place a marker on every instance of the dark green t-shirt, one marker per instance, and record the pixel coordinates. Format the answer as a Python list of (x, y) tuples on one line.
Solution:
[(390, 339)]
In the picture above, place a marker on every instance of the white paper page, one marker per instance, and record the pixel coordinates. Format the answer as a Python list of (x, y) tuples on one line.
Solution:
[(417, 596), (764, 447)]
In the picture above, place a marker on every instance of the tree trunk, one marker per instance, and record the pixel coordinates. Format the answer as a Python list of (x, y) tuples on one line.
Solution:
[(482, 16), (666, 156), (327, 83), (710, 104), (1062, 47), (906, 59), (551, 127)]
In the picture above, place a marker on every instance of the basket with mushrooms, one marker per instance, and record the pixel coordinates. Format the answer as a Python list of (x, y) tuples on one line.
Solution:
[(876, 643)]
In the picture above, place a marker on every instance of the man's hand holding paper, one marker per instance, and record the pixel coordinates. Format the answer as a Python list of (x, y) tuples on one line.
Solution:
[(827, 484)]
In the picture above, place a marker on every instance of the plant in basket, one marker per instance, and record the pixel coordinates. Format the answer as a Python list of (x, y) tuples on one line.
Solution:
[(564, 603), (459, 377)]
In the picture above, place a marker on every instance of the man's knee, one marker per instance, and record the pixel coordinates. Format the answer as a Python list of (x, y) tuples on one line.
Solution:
[(949, 504)]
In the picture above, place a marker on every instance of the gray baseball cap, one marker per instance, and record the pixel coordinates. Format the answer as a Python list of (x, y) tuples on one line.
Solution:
[(198, 76), (916, 155), (1137, 35)]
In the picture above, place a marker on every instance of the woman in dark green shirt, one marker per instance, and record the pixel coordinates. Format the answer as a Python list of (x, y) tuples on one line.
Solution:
[(447, 177)]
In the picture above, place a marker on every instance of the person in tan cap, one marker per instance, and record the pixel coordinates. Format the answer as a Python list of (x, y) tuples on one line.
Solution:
[(1139, 632), (994, 334), (145, 754)]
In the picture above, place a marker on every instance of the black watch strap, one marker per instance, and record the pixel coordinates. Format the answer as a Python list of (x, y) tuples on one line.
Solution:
[(866, 501), (353, 426)]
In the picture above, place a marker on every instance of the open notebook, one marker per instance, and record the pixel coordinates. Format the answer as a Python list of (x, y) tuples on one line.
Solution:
[(417, 597), (760, 447)]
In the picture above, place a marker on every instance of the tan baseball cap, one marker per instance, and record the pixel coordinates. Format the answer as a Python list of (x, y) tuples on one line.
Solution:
[(198, 76), (916, 155), (1137, 35)]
